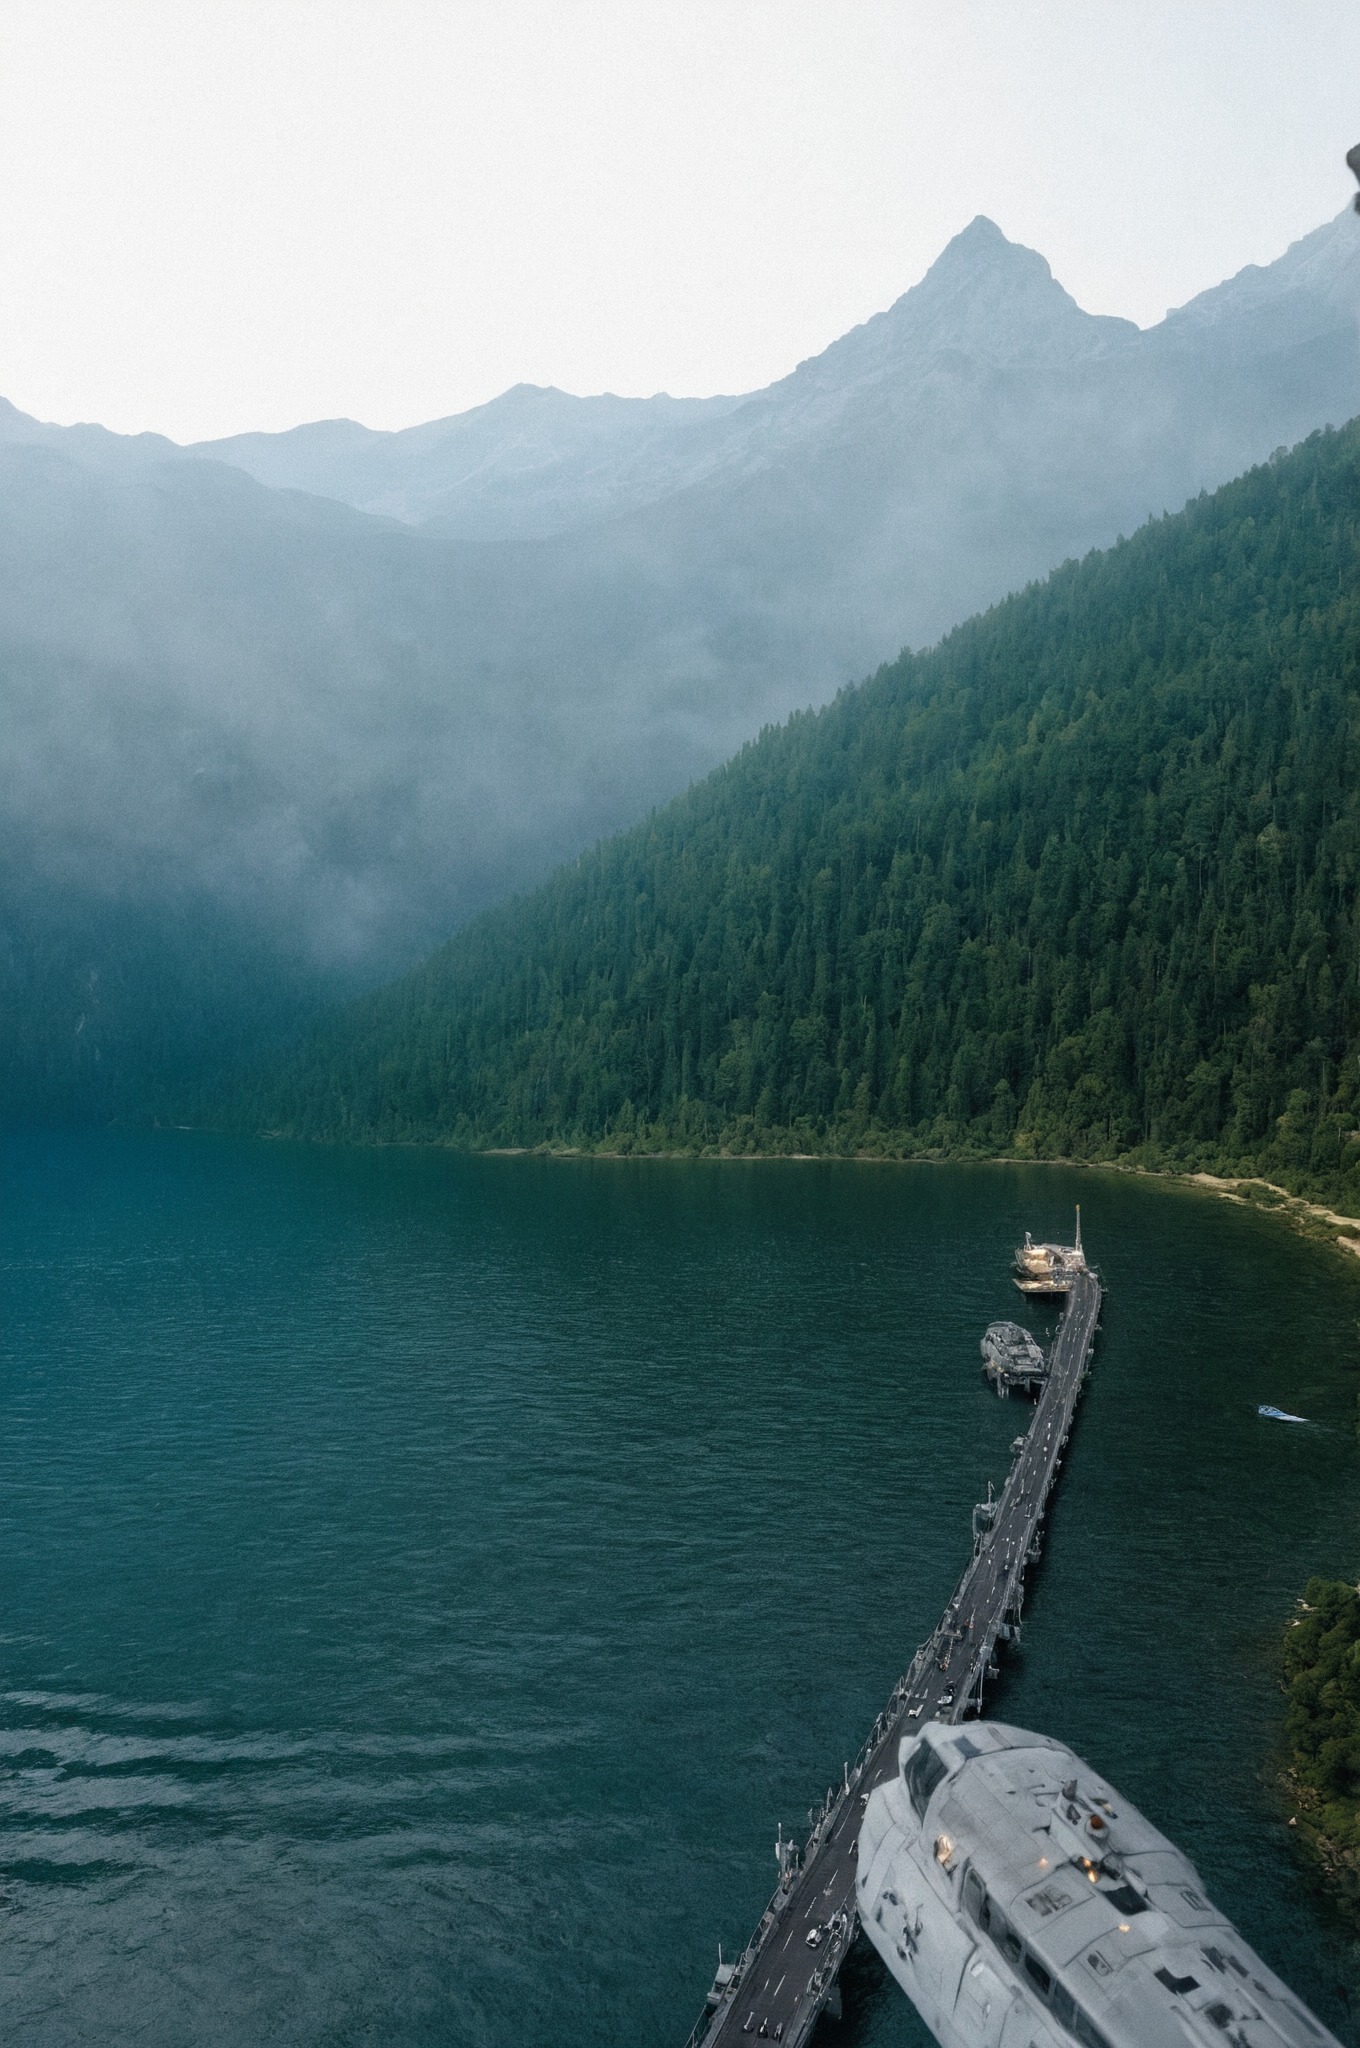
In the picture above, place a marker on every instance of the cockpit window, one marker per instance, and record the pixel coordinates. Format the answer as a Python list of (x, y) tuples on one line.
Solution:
[(1050, 1988), (1074, 2019), (923, 1774), (1038, 1973), (1004, 1935)]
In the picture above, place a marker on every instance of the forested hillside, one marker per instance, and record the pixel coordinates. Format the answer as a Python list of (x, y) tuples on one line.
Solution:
[(1081, 880)]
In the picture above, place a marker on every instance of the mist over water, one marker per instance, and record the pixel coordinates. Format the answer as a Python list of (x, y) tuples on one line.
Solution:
[(428, 1581)]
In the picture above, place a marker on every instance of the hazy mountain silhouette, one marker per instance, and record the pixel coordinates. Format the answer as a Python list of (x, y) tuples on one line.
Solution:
[(537, 461), (305, 720)]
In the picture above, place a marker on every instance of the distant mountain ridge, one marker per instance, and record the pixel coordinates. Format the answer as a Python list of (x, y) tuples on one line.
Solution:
[(530, 463), (535, 461), (303, 739)]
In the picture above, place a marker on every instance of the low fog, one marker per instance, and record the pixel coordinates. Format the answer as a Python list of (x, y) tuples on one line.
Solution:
[(282, 711)]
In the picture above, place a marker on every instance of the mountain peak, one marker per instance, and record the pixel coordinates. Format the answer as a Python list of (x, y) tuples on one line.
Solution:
[(982, 250), (985, 297), (981, 232)]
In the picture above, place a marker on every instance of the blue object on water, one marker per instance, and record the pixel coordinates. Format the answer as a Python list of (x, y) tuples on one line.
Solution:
[(1278, 1414)]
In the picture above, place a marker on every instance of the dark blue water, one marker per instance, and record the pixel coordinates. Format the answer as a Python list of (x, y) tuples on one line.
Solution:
[(427, 1582)]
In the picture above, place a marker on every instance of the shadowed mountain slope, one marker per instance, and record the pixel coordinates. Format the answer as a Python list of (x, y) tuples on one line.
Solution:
[(1081, 880)]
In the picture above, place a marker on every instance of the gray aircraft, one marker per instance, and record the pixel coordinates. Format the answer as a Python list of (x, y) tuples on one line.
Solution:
[(1021, 1903)]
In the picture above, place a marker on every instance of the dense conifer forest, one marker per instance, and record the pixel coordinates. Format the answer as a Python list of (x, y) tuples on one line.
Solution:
[(1080, 881), (1322, 1683)]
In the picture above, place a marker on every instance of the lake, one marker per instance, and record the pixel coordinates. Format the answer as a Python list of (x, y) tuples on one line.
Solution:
[(428, 1581)]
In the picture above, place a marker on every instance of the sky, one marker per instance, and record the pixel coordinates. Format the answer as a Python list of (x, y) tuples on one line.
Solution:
[(218, 215)]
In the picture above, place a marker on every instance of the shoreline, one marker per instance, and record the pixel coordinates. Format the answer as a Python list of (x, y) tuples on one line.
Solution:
[(1309, 1219), (1313, 1220), (1322, 1718)]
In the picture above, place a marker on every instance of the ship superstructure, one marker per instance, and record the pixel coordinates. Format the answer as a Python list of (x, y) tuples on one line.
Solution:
[(1012, 1360), (1022, 1903), (1049, 1268)]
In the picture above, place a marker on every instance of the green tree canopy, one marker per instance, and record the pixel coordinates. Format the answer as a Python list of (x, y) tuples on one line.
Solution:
[(1079, 881)]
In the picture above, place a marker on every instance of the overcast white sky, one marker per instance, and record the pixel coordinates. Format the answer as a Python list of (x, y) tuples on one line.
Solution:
[(221, 214)]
